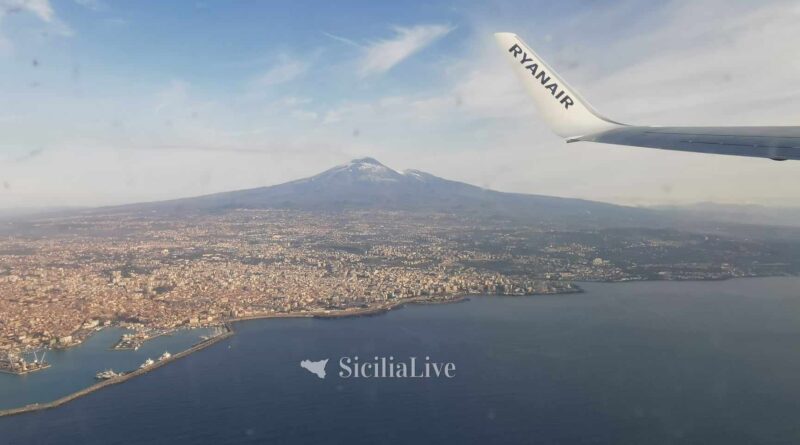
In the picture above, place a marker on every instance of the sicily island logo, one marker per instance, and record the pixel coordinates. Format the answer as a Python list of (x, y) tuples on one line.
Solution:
[(383, 368)]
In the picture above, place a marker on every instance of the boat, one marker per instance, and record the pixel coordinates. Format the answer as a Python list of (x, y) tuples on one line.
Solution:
[(107, 374), (146, 363), (165, 356)]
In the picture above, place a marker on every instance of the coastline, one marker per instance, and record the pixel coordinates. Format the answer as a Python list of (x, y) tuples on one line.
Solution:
[(345, 313), (325, 314), (33, 407)]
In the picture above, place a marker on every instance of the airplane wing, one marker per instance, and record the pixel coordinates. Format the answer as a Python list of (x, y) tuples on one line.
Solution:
[(572, 118)]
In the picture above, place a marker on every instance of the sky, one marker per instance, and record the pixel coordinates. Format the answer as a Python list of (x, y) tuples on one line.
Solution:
[(106, 102)]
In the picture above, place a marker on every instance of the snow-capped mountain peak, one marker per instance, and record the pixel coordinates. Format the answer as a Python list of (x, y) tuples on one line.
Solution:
[(365, 183), (360, 170)]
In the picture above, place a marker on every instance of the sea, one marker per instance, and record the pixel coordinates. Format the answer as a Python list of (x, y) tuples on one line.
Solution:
[(715, 362)]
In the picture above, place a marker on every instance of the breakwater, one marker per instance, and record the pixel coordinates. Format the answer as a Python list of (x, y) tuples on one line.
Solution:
[(116, 380)]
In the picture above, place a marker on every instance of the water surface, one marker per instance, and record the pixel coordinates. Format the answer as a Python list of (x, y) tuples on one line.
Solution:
[(74, 369), (632, 363)]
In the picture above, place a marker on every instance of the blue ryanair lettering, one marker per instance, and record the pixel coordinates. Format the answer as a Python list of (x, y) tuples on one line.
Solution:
[(539, 73)]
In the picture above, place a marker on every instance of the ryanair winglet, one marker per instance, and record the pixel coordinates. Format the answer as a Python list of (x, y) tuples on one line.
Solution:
[(567, 114)]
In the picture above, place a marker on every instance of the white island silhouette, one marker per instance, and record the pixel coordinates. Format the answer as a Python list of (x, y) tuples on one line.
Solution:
[(317, 367)]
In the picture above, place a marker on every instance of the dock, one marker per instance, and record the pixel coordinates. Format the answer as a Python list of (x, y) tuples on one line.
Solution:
[(119, 379), (18, 365)]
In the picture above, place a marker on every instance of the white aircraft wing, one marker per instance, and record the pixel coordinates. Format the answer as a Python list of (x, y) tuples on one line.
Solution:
[(572, 118)]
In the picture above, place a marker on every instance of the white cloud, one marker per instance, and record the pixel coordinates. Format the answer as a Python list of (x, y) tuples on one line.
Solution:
[(714, 71), (41, 8), (695, 63), (304, 115), (382, 55), (286, 70)]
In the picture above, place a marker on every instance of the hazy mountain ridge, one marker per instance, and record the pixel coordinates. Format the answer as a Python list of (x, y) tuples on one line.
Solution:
[(365, 184)]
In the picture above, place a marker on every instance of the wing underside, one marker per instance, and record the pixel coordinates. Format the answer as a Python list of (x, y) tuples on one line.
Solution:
[(779, 143)]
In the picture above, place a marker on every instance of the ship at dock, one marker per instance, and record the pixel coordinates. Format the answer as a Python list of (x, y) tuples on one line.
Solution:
[(147, 363), (107, 374), (165, 356), (17, 364)]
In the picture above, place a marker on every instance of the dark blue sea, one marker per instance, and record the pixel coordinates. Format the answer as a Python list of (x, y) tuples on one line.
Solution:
[(632, 363)]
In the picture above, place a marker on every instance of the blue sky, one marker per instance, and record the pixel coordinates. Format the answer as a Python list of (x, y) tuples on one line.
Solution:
[(107, 102)]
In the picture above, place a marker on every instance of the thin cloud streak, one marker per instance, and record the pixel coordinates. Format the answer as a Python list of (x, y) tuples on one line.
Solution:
[(286, 70), (383, 55), (344, 40)]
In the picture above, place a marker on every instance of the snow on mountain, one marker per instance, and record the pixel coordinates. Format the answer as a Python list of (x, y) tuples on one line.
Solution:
[(366, 184), (359, 170)]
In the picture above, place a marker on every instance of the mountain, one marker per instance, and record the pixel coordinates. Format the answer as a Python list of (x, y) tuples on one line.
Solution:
[(366, 184)]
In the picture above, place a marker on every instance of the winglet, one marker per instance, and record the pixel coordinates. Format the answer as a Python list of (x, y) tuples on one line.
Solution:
[(567, 114)]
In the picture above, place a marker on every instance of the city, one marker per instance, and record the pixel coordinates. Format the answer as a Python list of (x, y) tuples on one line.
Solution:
[(64, 277)]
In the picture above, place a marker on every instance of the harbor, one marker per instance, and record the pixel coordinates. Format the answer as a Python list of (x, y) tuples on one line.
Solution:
[(74, 369), (204, 337), (208, 337), (121, 377)]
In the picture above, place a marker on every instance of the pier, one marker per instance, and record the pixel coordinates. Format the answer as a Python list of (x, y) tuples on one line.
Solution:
[(134, 341), (119, 379)]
